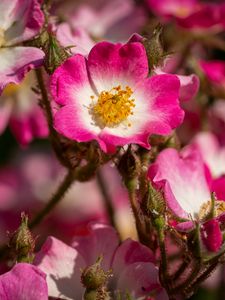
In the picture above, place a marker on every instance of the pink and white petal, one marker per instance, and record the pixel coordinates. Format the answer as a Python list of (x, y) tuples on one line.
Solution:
[(77, 38), (139, 279), (130, 252), (189, 86), (63, 265), (111, 65), (70, 83), (24, 22), (102, 240), (70, 121), (161, 92), (211, 235), (16, 62), (23, 282), (5, 113), (182, 178)]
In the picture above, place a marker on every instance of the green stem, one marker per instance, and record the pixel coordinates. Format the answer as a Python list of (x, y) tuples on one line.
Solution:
[(106, 197), (64, 186)]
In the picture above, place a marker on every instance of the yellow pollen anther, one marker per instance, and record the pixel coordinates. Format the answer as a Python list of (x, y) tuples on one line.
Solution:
[(113, 107), (219, 208), (10, 89)]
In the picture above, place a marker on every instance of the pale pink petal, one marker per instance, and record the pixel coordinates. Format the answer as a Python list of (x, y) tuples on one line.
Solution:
[(213, 154), (102, 240), (139, 279), (22, 20), (16, 62), (77, 38), (130, 252), (63, 265), (23, 282), (182, 179)]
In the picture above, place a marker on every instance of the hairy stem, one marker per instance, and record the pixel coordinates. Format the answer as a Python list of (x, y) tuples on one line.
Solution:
[(107, 198), (59, 194)]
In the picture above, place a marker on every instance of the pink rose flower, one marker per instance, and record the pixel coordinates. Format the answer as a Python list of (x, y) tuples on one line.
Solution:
[(131, 263), (183, 179), (108, 97)]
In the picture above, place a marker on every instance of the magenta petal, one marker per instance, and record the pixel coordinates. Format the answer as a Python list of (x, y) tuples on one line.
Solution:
[(218, 186), (162, 94), (214, 70), (23, 282), (110, 63), (212, 235), (16, 62)]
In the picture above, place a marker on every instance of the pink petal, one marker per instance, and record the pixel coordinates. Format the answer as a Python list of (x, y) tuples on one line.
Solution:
[(218, 186), (182, 178), (139, 279), (102, 240), (23, 282), (78, 38), (189, 86), (16, 62), (63, 265), (115, 64), (214, 70), (212, 235), (130, 252)]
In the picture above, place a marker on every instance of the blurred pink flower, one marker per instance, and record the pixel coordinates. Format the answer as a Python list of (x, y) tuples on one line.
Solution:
[(131, 263), (20, 20), (110, 99), (190, 14), (20, 110), (102, 19)]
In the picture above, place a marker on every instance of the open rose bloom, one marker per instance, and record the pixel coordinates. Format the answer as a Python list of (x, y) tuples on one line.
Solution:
[(110, 99)]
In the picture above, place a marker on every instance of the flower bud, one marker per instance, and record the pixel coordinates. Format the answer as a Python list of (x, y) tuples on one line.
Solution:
[(94, 277), (129, 165), (22, 242)]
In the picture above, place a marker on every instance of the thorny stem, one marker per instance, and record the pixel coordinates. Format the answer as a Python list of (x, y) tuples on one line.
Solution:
[(106, 196), (59, 194)]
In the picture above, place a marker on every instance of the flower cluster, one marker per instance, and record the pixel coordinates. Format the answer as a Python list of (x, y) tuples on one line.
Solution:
[(112, 165)]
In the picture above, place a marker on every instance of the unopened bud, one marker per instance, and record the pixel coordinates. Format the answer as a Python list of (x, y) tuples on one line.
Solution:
[(22, 242), (94, 277), (153, 47)]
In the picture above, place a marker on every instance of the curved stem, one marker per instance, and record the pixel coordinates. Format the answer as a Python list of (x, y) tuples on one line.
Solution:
[(59, 194), (107, 199)]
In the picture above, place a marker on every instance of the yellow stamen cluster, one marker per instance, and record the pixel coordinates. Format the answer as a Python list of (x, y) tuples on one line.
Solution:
[(113, 107), (219, 208)]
